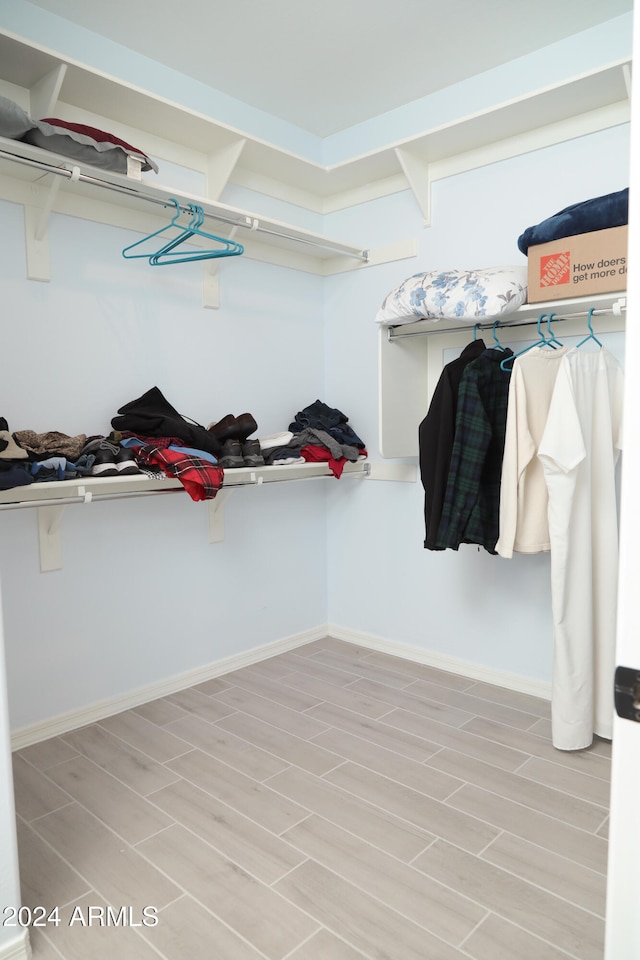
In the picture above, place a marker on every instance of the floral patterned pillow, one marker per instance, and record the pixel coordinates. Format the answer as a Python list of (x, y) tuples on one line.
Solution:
[(471, 295)]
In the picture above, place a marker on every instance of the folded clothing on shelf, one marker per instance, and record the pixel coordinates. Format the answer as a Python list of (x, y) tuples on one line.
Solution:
[(599, 213)]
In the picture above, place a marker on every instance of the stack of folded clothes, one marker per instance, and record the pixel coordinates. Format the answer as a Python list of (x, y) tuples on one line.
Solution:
[(30, 457), (317, 433)]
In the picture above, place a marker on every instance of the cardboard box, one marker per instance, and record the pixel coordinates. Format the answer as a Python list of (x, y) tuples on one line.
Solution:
[(578, 266)]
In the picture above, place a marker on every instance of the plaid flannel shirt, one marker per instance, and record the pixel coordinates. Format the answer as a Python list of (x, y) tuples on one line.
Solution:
[(471, 510), (201, 479)]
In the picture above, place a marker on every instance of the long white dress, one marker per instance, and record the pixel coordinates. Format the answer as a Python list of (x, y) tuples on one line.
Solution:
[(578, 451)]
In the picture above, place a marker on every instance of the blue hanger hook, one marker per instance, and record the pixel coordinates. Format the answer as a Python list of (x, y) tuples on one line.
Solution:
[(173, 223), (591, 335), (552, 339), (540, 331)]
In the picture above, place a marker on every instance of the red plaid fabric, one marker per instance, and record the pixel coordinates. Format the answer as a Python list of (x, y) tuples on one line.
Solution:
[(201, 479)]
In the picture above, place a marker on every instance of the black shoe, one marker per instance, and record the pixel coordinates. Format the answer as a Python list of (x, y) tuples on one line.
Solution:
[(104, 464), (252, 454), (224, 429), (245, 426), (233, 428), (231, 455), (126, 462)]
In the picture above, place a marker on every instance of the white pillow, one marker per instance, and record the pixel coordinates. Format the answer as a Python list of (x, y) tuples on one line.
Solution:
[(470, 295)]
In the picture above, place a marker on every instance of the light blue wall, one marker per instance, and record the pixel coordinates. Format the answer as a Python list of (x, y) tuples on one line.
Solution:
[(142, 595)]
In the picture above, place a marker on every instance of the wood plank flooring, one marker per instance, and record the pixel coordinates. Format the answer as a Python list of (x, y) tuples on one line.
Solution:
[(331, 803)]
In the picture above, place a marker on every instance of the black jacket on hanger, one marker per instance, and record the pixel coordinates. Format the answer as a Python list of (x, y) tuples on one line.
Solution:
[(436, 435)]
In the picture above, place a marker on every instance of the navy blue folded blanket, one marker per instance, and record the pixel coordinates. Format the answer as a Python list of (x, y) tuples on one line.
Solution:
[(611, 210)]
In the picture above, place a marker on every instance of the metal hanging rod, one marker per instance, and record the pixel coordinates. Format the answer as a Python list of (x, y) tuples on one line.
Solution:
[(91, 497), (616, 309), (247, 222)]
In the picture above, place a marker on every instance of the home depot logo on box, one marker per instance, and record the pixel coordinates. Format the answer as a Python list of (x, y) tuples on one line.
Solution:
[(578, 266), (555, 269)]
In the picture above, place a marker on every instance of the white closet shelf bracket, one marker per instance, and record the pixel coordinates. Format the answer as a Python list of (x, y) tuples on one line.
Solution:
[(210, 285), (49, 522), (36, 221), (418, 174), (44, 94), (215, 510)]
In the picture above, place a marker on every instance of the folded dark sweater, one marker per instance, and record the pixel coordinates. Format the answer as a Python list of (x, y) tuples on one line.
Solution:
[(600, 213)]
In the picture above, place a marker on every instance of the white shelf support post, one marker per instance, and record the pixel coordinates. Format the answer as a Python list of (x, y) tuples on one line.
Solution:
[(220, 166), (49, 520), (418, 175), (403, 472), (215, 508), (36, 223), (44, 94), (210, 285)]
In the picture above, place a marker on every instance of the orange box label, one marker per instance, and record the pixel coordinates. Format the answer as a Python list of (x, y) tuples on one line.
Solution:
[(555, 269)]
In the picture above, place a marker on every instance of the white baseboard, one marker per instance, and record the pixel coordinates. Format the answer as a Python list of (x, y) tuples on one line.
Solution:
[(63, 723), (18, 949), (441, 661)]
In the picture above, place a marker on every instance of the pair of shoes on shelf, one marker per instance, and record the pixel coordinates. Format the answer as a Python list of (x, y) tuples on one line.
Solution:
[(237, 454), (110, 464), (233, 428)]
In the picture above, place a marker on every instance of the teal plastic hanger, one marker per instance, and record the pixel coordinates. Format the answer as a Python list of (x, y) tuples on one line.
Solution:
[(495, 336), (552, 340), (164, 254), (225, 248), (591, 335), (542, 341), (169, 226)]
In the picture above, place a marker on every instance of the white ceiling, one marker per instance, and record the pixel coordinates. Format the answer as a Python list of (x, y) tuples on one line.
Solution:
[(325, 65)]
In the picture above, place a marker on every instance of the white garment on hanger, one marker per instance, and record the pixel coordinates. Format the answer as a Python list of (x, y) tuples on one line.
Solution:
[(523, 491), (578, 452)]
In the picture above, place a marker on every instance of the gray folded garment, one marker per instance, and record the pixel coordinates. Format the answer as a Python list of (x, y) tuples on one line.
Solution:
[(312, 436)]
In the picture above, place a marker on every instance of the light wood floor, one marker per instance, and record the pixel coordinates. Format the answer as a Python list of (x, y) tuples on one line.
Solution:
[(331, 803)]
